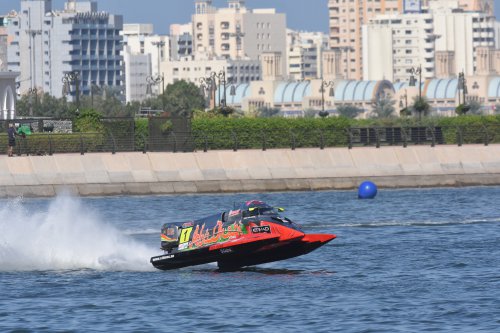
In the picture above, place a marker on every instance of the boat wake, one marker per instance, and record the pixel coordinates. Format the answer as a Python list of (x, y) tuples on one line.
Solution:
[(66, 235)]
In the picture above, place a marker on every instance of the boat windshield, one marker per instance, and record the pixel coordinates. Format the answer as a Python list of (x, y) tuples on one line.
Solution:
[(250, 209)]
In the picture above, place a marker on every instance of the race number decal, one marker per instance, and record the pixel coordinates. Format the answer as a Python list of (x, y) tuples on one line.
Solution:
[(185, 233)]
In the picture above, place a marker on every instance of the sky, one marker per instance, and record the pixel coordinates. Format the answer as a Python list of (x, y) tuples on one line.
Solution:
[(309, 15)]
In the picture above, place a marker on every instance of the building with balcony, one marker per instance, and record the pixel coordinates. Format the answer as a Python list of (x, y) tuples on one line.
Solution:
[(443, 40), (304, 50), (49, 43), (237, 32), (345, 34), (181, 41), (7, 79), (394, 44), (143, 54)]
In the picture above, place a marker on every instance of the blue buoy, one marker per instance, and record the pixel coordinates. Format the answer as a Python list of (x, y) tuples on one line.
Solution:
[(367, 190)]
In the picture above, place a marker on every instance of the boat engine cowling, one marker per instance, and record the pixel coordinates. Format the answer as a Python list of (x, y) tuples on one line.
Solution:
[(169, 237)]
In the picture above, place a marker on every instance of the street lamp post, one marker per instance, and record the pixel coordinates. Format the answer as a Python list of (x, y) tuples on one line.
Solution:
[(153, 81), (220, 78), (159, 45), (462, 85), (403, 107), (68, 79), (324, 85), (32, 92), (417, 71), (207, 85), (94, 89)]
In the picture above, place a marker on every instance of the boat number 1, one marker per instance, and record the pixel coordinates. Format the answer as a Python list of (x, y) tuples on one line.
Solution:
[(185, 233)]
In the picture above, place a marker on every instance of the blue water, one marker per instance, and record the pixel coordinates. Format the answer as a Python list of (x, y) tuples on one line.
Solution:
[(414, 260)]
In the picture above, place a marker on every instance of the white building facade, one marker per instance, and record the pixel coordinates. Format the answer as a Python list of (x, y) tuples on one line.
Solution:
[(47, 44), (443, 40), (460, 33), (7, 79), (181, 41), (237, 32), (394, 44), (304, 50), (192, 69), (143, 54)]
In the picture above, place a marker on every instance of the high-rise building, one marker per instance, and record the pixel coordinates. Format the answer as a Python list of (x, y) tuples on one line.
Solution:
[(143, 54), (304, 51), (483, 6), (443, 40), (394, 44), (48, 44), (460, 34), (346, 21), (7, 78), (237, 32), (181, 41), (3, 43)]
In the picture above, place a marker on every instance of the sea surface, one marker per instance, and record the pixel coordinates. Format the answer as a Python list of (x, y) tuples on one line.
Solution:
[(411, 260)]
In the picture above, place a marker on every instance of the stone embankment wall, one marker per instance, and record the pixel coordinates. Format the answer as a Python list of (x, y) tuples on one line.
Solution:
[(248, 170)]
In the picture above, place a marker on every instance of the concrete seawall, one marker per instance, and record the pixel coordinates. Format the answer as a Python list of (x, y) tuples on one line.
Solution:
[(248, 170)]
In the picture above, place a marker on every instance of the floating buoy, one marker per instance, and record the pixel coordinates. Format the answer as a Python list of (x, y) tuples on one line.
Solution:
[(367, 190)]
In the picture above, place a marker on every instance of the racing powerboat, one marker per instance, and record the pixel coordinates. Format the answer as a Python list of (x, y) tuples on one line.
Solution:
[(251, 234)]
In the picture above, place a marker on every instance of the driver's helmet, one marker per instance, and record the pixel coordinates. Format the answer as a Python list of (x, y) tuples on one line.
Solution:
[(255, 207)]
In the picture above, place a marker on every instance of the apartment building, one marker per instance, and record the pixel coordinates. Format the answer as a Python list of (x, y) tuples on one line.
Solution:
[(237, 32), (47, 44), (181, 41), (443, 40), (393, 45), (460, 35), (7, 78), (345, 35), (143, 54), (483, 6), (304, 50)]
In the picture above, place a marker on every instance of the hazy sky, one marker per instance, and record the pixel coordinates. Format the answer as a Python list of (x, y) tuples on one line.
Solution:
[(310, 15)]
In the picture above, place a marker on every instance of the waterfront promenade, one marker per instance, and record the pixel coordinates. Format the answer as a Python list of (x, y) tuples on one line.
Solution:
[(248, 170)]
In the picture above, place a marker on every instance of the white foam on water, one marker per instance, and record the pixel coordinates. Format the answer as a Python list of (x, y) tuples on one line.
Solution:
[(66, 236)]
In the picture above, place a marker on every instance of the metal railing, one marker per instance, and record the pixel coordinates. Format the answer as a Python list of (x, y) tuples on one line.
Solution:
[(53, 143)]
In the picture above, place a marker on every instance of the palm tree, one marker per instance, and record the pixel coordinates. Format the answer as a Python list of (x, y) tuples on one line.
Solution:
[(421, 106), (267, 112), (349, 111), (383, 107)]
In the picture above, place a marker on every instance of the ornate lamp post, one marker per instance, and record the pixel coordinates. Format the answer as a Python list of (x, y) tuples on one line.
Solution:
[(69, 79), (462, 85), (32, 92), (403, 106), (219, 79), (93, 90), (153, 81), (331, 93), (207, 85), (417, 71)]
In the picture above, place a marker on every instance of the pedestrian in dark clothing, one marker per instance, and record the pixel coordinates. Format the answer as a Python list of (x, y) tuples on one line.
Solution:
[(11, 132)]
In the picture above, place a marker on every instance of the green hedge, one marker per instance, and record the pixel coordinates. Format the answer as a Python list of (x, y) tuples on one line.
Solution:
[(254, 133), (46, 143)]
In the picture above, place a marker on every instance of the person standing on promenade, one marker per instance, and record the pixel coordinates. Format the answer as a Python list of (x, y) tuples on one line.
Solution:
[(11, 132)]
